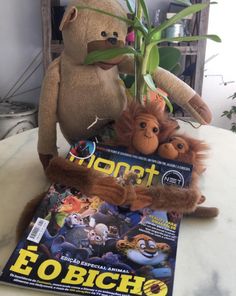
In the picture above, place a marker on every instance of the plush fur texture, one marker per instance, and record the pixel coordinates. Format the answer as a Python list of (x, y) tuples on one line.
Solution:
[(91, 182), (167, 198), (192, 151), (87, 181), (125, 125), (75, 94)]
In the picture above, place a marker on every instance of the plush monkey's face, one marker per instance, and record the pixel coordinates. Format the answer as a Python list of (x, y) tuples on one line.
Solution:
[(86, 30), (145, 134), (110, 40), (176, 147)]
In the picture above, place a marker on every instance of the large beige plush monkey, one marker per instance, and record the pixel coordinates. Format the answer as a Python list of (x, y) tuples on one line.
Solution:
[(75, 94)]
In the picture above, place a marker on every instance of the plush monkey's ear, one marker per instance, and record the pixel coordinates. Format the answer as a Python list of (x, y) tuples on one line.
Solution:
[(69, 16)]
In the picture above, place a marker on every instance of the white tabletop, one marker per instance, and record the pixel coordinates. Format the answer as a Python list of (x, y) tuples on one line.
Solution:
[(206, 257)]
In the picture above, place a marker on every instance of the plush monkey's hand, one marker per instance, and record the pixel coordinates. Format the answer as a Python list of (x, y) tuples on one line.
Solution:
[(183, 95), (45, 159), (198, 109)]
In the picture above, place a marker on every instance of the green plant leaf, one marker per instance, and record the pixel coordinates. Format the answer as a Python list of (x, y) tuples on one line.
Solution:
[(168, 104), (233, 96), (138, 25), (233, 109), (103, 55), (186, 2), (188, 39), (149, 81), (126, 20), (176, 69), (169, 57), (179, 16), (225, 113), (229, 115), (129, 6), (233, 127), (154, 59), (145, 12), (151, 84)]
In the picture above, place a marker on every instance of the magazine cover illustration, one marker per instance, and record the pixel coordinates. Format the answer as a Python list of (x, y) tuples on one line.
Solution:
[(81, 245)]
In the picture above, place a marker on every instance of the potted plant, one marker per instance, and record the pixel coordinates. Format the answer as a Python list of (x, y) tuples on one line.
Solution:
[(148, 39), (230, 114)]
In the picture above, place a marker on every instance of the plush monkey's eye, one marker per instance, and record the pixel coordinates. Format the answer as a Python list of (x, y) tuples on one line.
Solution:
[(104, 34), (180, 146), (155, 130), (142, 124), (115, 34)]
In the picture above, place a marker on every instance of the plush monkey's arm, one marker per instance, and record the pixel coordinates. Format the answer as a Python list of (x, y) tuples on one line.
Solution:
[(126, 66), (181, 93), (47, 113)]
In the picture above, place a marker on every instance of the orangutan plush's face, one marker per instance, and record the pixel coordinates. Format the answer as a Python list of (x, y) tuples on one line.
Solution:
[(145, 135), (176, 147)]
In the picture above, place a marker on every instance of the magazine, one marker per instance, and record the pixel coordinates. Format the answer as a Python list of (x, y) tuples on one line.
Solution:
[(82, 245)]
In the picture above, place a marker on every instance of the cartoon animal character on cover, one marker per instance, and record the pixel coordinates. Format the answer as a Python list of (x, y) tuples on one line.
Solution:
[(57, 216), (192, 151), (75, 94), (143, 250), (61, 244), (71, 222)]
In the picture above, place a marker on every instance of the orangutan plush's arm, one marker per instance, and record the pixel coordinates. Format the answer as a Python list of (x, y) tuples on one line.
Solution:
[(167, 198), (91, 182), (86, 180), (47, 113), (203, 212)]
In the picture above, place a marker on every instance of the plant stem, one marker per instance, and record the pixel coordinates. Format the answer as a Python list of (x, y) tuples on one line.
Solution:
[(143, 70), (138, 60), (147, 52)]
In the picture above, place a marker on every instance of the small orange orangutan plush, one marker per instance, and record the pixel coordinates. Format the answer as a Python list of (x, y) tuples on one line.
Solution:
[(192, 151)]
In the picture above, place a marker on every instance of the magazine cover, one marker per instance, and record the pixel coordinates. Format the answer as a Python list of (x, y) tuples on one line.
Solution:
[(81, 245)]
